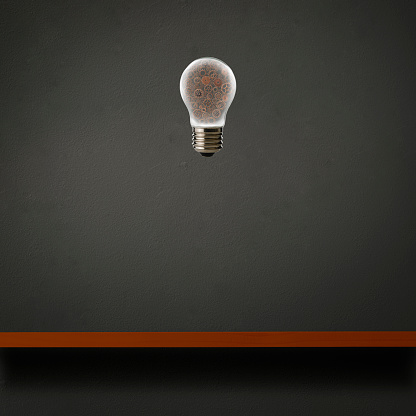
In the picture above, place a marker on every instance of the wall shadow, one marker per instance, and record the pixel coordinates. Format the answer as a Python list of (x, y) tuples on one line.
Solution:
[(245, 367)]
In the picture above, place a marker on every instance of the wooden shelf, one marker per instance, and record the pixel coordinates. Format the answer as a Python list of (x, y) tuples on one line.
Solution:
[(209, 339)]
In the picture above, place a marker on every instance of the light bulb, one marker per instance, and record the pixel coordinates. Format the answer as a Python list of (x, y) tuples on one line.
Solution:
[(207, 88)]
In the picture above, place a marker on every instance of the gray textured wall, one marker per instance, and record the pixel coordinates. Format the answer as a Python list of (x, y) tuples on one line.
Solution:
[(304, 221)]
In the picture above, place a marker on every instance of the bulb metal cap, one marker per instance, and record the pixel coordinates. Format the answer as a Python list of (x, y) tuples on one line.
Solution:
[(207, 140)]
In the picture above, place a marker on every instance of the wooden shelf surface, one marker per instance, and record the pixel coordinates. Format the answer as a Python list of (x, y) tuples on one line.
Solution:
[(210, 339)]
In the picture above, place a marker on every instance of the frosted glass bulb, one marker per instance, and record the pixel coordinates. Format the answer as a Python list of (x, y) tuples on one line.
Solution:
[(207, 88)]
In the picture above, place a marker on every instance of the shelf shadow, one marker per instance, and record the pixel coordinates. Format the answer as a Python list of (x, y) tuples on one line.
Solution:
[(246, 367)]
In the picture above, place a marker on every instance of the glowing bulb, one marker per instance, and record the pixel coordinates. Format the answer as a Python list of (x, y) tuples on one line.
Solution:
[(207, 88)]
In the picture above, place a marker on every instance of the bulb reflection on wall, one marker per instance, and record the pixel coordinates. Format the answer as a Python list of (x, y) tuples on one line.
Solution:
[(207, 88)]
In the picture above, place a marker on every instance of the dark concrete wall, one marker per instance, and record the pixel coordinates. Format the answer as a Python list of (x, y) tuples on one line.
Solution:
[(304, 221)]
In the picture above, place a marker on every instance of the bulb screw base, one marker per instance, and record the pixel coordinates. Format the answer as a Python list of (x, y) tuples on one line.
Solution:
[(207, 140)]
